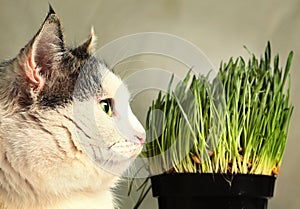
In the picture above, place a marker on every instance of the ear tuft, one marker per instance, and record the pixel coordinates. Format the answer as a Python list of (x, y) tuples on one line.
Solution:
[(51, 10), (87, 47)]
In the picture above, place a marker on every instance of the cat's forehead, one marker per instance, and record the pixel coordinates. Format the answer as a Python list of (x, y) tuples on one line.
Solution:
[(113, 87)]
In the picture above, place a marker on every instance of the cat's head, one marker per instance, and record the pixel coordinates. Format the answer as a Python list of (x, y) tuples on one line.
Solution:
[(53, 85)]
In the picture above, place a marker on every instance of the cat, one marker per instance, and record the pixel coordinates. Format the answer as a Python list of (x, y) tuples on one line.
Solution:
[(66, 127)]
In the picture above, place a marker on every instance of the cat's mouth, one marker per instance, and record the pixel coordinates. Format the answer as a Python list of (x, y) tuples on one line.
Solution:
[(125, 141), (126, 148)]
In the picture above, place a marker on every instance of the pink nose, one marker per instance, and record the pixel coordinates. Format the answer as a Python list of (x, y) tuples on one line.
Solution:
[(141, 139)]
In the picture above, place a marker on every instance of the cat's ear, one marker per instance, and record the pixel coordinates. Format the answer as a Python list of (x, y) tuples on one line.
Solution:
[(44, 51), (87, 47)]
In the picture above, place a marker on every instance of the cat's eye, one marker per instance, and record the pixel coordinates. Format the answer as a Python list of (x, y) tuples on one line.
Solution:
[(106, 106)]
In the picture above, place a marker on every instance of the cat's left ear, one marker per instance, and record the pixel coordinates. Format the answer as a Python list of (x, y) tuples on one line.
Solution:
[(87, 47), (44, 52)]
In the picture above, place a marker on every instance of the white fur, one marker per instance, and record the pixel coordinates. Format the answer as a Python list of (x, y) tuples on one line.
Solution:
[(59, 168)]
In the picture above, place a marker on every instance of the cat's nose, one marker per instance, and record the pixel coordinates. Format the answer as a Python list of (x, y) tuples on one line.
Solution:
[(141, 138)]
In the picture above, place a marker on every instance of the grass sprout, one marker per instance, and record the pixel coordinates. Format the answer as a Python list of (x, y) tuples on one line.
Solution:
[(238, 123)]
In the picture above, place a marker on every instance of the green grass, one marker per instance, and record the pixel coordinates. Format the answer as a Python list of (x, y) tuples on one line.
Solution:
[(238, 123)]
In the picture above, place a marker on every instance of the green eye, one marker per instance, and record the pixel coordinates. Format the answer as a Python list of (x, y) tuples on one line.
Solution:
[(106, 106)]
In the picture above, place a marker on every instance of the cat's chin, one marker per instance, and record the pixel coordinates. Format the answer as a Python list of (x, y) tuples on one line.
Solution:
[(115, 158), (116, 167)]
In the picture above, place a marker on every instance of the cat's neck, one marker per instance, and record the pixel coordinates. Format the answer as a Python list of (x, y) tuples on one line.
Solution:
[(100, 200), (68, 177)]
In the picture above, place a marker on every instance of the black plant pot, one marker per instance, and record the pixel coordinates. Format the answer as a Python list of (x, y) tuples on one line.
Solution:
[(212, 191)]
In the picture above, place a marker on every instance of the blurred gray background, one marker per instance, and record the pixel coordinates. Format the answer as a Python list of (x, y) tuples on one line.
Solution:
[(218, 28)]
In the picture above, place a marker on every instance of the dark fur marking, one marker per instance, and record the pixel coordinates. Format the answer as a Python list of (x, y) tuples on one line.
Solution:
[(73, 147), (77, 126)]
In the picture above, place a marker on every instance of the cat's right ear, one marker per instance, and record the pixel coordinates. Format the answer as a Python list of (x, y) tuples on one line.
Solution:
[(43, 53)]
